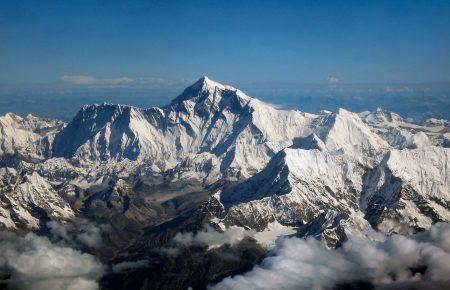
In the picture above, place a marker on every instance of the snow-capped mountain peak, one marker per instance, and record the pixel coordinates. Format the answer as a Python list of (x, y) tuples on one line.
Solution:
[(207, 91), (206, 117), (346, 131), (26, 137), (239, 132)]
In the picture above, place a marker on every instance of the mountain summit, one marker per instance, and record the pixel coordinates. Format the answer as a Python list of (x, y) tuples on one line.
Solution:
[(206, 95), (207, 117)]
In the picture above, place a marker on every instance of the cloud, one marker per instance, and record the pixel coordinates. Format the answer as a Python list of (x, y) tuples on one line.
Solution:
[(119, 81), (308, 264), (79, 80), (208, 237), (34, 262), (403, 89), (59, 231), (332, 80), (212, 238), (91, 234), (86, 233)]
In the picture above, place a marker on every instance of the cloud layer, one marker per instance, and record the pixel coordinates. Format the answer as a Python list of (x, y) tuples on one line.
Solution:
[(86, 233), (83, 80), (34, 262), (308, 264), (212, 238), (207, 237)]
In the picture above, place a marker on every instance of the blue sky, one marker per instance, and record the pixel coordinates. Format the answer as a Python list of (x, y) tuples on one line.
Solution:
[(58, 55), (231, 41)]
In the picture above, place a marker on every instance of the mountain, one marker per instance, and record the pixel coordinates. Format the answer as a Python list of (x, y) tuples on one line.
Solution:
[(214, 134), (212, 164), (409, 190), (402, 134), (294, 188), (206, 118), (28, 201), (27, 138), (406, 192)]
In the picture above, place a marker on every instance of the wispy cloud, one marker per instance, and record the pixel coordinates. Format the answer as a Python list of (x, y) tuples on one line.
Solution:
[(79, 80), (209, 237), (401, 89), (83, 80), (332, 80), (86, 233)]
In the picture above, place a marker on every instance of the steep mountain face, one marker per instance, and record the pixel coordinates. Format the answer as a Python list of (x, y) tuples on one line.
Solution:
[(295, 186), (406, 192), (26, 138), (345, 130), (409, 190), (207, 117), (216, 156), (28, 201), (348, 174)]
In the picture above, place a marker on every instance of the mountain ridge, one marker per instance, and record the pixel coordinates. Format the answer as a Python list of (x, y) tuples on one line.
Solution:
[(217, 158)]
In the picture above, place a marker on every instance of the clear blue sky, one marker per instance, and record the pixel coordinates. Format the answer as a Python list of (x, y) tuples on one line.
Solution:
[(292, 41)]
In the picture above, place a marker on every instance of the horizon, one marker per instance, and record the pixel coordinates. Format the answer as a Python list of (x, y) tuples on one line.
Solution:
[(296, 54), (63, 101)]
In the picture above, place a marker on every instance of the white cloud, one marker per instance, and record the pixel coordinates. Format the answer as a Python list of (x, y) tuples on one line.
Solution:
[(212, 238), (403, 89), (332, 80), (91, 234), (59, 231), (36, 263), (79, 80), (119, 81), (209, 237), (308, 264), (86, 232)]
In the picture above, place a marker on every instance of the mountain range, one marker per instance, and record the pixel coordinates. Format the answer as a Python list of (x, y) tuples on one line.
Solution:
[(160, 184)]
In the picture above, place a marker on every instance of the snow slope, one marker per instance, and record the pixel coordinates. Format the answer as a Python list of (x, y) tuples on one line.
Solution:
[(409, 190), (28, 201), (28, 137)]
